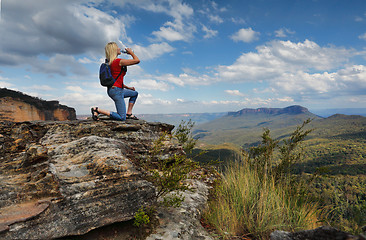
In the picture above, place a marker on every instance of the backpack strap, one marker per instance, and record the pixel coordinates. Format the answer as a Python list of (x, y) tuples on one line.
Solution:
[(119, 74), (123, 69)]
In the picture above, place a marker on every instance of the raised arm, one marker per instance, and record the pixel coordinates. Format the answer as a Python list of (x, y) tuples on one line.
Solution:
[(129, 62)]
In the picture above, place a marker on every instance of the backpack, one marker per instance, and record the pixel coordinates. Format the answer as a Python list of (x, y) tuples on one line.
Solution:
[(105, 75)]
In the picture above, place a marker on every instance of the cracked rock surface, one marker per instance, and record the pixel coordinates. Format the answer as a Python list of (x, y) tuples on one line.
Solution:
[(67, 178)]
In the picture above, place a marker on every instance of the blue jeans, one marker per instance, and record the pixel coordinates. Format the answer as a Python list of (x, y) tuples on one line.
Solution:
[(118, 95)]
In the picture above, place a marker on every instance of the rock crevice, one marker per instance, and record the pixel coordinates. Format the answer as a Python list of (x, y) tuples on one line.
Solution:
[(67, 178)]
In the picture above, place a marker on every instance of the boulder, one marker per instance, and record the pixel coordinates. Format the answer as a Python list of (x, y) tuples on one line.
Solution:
[(183, 222), (66, 178), (320, 233)]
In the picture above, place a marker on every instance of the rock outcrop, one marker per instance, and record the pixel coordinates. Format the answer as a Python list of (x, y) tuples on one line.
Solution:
[(67, 178), (321, 233), (183, 222), (18, 107), (274, 111)]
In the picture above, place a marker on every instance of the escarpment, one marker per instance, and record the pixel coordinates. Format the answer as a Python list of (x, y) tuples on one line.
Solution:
[(67, 178), (18, 107)]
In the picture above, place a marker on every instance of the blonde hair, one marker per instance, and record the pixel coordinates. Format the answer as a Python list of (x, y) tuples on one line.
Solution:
[(111, 51)]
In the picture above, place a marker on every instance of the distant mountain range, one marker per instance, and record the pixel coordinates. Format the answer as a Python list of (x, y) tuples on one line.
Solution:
[(345, 111), (245, 126), (200, 118), (337, 142), (273, 111), (177, 118)]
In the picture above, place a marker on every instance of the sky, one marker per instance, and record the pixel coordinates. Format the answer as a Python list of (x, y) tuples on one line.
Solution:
[(196, 56)]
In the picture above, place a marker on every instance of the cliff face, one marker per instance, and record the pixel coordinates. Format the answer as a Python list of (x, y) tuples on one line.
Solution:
[(287, 110), (17, 107), (66, 178)]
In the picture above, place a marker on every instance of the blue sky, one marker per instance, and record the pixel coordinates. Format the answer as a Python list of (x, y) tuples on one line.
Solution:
[(196, 56)]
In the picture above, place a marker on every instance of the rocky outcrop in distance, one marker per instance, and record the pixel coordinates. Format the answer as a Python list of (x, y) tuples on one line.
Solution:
[(67, 178), (18, 107), (296, 109)]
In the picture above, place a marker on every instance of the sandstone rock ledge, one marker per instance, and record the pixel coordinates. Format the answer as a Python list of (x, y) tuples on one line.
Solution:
[(67, 178), (183, 222)]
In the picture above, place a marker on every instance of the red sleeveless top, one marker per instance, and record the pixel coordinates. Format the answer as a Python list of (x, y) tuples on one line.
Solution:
[(115, 70)]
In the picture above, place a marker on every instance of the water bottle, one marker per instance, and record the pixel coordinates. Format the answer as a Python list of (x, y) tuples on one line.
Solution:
[(122, 50)]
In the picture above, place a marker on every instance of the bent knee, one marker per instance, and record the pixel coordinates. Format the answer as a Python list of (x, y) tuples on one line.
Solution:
[(116, 116)]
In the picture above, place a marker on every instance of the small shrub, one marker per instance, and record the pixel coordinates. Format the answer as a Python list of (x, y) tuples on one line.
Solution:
[(256, 194), (141, 218), (184, 136), (168, 172)]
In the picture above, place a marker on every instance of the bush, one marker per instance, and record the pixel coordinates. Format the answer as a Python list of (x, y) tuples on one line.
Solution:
[(168, 171), (256, 195), (141, 218)]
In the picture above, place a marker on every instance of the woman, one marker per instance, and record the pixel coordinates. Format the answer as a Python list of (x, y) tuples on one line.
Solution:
[(119, 91)]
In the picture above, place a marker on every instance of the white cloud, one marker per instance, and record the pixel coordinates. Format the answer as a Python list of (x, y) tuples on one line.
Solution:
[(53, 29), (238, 20), (285, 99), (148, 99), (75, 89), (86, 60), (175, 31), (4, 78), (212, 11), (347, 81), (302, 70), (279, 57), (363, 36), (60, 64), (172, 79), (150, 84), (215, 19), (234, 93), (4, 84), (209, 32), (152, 51), (247, 102), (40, 22), (82, 102), (287, 66), (174, 8), (180, 29), (358, 19), (245, 35), (297, 70), (41, 87), (169, 34), (188, 78), (283, 32)]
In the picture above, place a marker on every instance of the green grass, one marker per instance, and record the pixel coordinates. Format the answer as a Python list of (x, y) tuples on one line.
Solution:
[(245, 205), (335, 151)]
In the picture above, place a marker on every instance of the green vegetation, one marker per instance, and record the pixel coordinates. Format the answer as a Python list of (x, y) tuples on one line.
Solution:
[(141, 218), (276, 184), (168, 172), (258, 193), (333, 164), (216, 155), (343, 197), (245, 130)]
